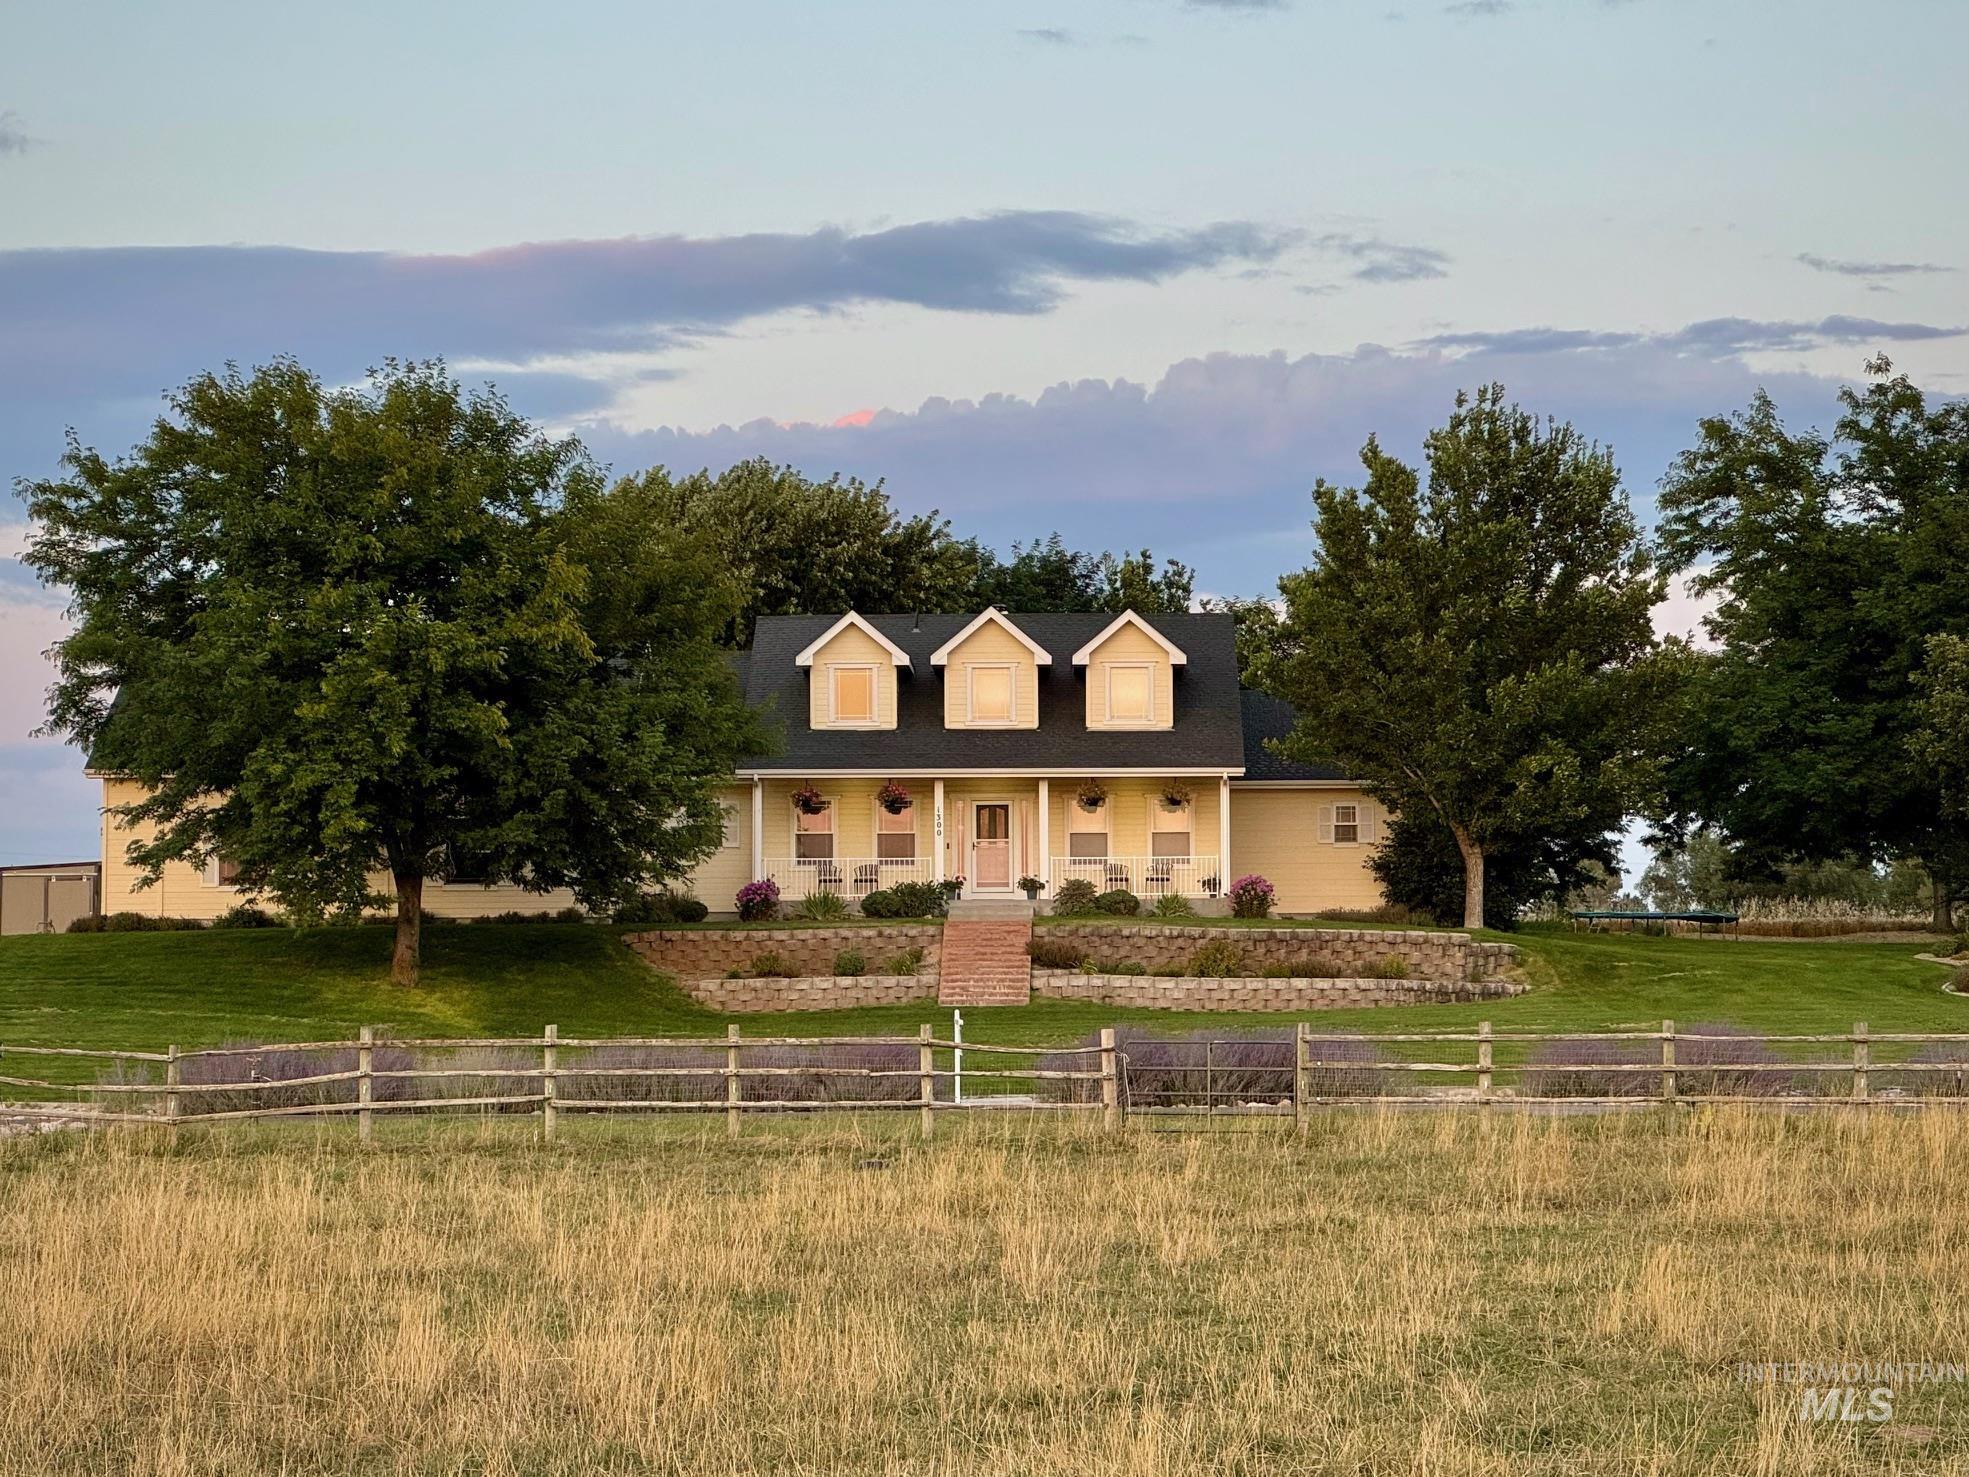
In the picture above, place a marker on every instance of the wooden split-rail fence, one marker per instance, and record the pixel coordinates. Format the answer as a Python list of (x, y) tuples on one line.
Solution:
[(1113, 1078)]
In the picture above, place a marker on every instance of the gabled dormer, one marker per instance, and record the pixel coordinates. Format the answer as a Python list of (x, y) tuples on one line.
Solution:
[(853, 676), (991, 674), (1131, 675)]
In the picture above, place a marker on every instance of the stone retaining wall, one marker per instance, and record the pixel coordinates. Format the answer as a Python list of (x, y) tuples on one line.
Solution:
[(1428, 956), (812, 992), (712, 953), (1189, 992)]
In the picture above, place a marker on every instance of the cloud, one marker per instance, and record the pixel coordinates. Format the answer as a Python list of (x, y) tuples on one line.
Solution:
[(1846, 268), (1052, 36), (13, 138), (1712, 337), (1384, 261), (1469, 9), (1247, 6)]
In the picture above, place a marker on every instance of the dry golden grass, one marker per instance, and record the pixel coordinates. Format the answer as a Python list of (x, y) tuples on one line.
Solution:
[(1444, 1294)]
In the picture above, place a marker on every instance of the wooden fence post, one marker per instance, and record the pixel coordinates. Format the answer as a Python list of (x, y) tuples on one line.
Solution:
[(549, 1058), (731, 1082), (366, 1084), (1668, 1061), (1110, 1082), (926, 1065), (1862, 1059), (1301, 1076), (173, 1076), (1483, 1061)]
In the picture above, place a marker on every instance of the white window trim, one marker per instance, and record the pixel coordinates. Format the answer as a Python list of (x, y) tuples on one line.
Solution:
[(731, 837), (833, 815), (211, 878), (905, 822), (1329, 823), (994, 617), (1128, 618), (896, 653), (1084, 822), (971, 718), (1107, 699), (834, 718)]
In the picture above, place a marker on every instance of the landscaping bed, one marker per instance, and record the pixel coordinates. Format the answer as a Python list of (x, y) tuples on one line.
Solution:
[(1235, 993)]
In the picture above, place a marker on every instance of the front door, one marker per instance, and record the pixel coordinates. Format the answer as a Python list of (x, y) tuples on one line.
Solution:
[(991, 847)]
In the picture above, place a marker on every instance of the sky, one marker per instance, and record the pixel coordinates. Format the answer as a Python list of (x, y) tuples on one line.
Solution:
[(1140, 271)]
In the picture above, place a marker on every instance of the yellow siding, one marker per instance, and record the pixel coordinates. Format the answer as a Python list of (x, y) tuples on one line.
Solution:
[(1127, 814), (854, 812), (719, 876), (1131, 646), (992, 645), (851, 647), (1275, 833)]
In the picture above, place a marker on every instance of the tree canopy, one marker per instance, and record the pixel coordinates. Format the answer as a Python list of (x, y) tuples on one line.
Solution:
[(388, 628), (1835, 561), (1481, 650)]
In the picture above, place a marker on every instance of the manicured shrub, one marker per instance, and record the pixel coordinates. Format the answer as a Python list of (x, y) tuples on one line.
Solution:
[(1055, 953), (1173, 905), (245, 915), (1074, 897), (922, 899), (772, 966), (907, 963), (821, 907), (136, 923), (1959, 981), (758, 901), (1169, 971), (1118, 902), (577, 915), (1251, 897), (1218, 959), (513, 915), (1121, 966), (881, 903), (653, 910), (850, 962)]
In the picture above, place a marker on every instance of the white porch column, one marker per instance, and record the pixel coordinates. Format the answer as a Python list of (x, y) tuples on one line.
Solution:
[(936, 825), (758, 829), (1045, 872), (1224, 835)]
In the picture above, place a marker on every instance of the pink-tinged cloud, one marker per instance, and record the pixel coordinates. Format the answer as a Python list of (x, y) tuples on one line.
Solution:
[(853, 418)]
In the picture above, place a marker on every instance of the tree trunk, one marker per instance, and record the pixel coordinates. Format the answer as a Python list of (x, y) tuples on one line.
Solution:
[(410, 924), (1473, 876), (1944, 914)]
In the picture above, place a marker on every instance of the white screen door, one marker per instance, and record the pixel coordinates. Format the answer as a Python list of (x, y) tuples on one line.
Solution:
[(991, 847)]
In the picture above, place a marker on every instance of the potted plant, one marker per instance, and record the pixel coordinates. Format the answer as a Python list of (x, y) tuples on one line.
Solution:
[(893, 798), (1175, 796), (1030, 887), (1093, 795), (809, 801)]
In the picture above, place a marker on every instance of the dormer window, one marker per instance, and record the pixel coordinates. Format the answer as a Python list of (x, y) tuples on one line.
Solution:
[(854, 692), (991, 694), (1131, 692)]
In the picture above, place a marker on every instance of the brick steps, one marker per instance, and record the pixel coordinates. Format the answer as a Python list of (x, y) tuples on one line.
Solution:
[(985, 962)]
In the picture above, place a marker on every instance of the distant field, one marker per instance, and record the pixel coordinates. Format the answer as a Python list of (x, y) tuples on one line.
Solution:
[(202, 989), (1450, 1294)]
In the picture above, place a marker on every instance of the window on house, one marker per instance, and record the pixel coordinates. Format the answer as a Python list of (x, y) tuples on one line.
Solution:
[(813, 835), (991, 694), (222, 871), (730, 840), (895, 836), (1169, 830), (462, 869), (1346, 824), (1087, 835), (854, 694), (1129, 691)]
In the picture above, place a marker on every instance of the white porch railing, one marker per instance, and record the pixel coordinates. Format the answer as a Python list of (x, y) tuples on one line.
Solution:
[(849, 877), (1145, 876)]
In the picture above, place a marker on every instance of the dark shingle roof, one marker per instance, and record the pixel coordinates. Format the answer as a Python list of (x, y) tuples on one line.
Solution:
[(1207, 734), (1266, 717)]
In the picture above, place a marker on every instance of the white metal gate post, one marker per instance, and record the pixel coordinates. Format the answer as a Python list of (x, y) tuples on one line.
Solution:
[(957, 1058)]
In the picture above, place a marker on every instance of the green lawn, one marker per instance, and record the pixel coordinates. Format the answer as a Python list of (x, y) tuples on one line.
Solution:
[(199, 989)]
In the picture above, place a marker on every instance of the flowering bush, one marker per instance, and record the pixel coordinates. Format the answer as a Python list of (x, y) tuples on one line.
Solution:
[(1175, 797), (809, 801), (1251, 897), (757, 900), (893, 798), (1093, 795)]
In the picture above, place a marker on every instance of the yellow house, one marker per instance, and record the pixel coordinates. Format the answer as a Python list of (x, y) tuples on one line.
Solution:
[(995, 749)]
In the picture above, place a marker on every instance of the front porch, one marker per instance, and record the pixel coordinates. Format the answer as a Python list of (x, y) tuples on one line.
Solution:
[(1153, 835)]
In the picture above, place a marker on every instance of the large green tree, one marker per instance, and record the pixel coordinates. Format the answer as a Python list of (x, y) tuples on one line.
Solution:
[(1480, 650), (1833, 562), (388, 628)]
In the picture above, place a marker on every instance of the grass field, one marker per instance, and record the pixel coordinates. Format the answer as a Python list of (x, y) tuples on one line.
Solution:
[(1450, 1294), (200, 989)]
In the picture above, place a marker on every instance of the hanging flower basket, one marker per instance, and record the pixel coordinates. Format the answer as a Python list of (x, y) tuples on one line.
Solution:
[(1175, 797), (1093, 795), (893, 798), (809, 801)]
